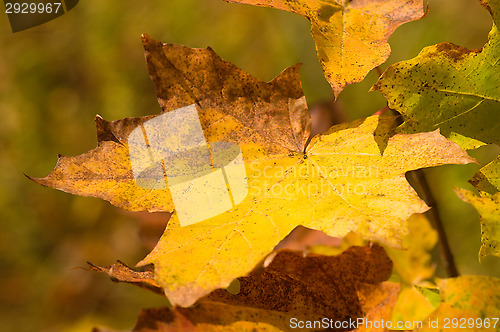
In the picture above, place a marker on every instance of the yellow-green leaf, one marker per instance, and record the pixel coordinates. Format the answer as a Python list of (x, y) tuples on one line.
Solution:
[(488, 207), (411, 306), (472, 302), (450, 87), (466, 143), (351, 35), (488, 177)]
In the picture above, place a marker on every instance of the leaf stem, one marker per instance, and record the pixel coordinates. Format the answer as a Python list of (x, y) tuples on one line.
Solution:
[(433, 214)]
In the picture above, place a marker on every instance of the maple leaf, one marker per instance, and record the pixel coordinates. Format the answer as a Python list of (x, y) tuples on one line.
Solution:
[(291, 286), (412, 267), (340, 182), (450, 87), (233, 106), (488, 177), (254, 227), (488, 207), (487, 181), (466, 299), (350, 35), (213, 316)]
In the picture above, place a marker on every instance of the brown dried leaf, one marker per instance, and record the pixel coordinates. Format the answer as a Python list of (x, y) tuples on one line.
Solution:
[(343, 287), (377, 302)]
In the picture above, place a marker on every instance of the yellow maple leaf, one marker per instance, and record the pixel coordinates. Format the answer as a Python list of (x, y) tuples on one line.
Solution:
[(351, 35), (352, 178)]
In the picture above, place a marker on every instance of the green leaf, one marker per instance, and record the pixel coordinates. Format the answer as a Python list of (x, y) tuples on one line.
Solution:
[(488, 177), (450, 87)]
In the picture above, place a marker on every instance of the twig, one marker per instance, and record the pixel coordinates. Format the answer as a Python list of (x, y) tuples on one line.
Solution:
[(433, 214)]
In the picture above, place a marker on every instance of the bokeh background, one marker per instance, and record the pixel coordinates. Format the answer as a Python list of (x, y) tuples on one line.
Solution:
[(56, 77)]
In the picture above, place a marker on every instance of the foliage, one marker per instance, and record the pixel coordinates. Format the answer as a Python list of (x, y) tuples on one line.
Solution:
[(290, 286), (488, 207), (465, 298), (343, 30), (462, 84), (443, 88), (350, 178)]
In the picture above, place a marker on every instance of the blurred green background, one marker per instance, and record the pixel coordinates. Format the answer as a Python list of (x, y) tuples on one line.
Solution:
[(56, 77)]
